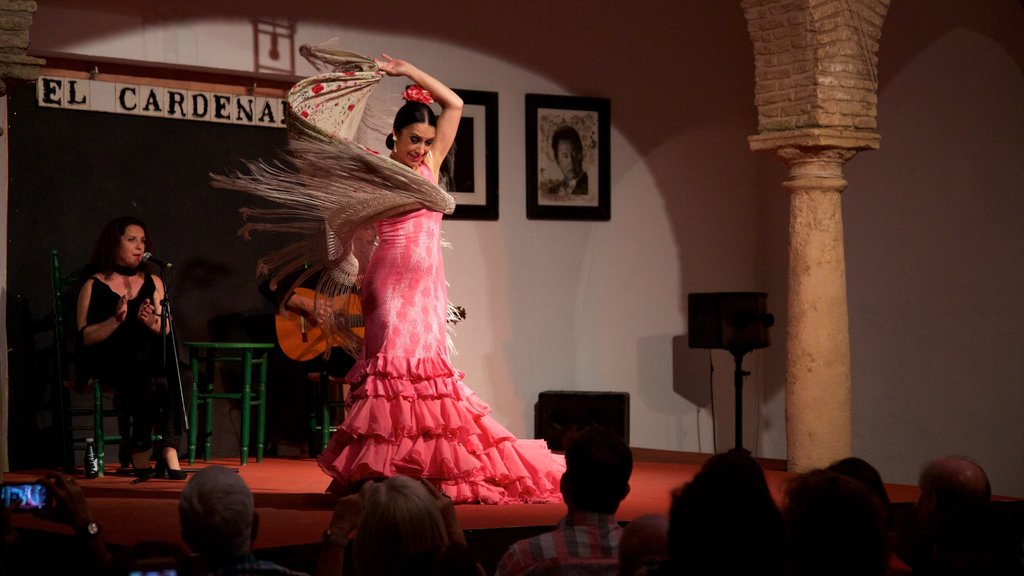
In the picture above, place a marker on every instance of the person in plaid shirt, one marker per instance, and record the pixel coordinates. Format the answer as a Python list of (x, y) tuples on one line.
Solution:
[(586, 541)]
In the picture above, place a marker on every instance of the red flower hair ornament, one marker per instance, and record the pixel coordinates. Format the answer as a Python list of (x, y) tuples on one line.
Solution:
[(417, 93)]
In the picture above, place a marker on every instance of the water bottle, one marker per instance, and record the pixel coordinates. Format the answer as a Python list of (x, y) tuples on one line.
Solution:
[(92, 469)]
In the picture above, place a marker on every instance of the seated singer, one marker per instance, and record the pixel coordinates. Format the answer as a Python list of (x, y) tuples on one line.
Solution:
[(118, 321)]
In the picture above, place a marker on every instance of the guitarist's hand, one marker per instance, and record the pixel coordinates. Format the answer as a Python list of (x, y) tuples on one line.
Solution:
[(306, 305), (302, 304), (299, 325)]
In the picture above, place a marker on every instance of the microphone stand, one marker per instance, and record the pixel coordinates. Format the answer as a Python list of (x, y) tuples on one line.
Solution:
[(167, 332)]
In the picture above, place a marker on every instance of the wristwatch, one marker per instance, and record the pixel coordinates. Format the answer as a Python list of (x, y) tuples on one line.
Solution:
[(90, 530)]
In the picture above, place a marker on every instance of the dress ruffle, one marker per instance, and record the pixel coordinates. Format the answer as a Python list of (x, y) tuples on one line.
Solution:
[(415, 417)]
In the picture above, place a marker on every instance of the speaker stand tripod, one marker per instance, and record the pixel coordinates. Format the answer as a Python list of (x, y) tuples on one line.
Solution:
[(738, 375)]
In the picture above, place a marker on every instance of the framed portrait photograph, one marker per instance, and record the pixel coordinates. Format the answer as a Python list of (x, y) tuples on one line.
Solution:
[(470, 173), (568, 158)]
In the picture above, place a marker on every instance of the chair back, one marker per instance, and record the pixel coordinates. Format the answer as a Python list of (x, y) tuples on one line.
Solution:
[(70, 368)]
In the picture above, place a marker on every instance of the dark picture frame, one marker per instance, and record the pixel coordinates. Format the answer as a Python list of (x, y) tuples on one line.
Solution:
[(580, 188), (472, 179)]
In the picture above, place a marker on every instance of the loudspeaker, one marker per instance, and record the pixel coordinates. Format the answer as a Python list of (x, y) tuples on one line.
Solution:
[(734, 321), (560, 414)]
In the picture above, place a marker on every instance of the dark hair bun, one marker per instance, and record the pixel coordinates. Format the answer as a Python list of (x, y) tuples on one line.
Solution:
[(390, 141)]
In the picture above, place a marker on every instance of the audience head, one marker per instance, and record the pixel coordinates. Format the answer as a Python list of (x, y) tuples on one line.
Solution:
[(738, 471), (644, 543), (727, 507), (217, 513), (863, 472), (949, 485), (834, 526), (598, 465), (400, 520), (976, 540)]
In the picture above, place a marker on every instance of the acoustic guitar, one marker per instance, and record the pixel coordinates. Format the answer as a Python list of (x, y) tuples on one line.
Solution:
[(302, 339)]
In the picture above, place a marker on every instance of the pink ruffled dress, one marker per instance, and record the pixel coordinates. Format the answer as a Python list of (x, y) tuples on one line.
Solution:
[(409, 411)]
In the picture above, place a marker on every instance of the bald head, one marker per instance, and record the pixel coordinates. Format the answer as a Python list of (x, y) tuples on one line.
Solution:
[(951, 484), (216, 513)]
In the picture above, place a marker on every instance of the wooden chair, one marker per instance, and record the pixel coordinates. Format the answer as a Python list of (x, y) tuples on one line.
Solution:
[(103, 404)]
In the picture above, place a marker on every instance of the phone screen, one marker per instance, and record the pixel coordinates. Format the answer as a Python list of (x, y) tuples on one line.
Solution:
[(32, 495)]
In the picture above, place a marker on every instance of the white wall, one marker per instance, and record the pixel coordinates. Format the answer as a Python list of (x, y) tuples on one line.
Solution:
[(935, 247), (932, 219)]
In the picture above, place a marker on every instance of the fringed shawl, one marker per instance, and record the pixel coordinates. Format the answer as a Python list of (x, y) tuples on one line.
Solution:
[(334, 188)]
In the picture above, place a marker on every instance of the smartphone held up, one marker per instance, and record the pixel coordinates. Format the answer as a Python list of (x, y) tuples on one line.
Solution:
[(31, 496)]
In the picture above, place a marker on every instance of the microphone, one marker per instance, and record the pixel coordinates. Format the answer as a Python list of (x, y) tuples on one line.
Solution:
[(148, 257)]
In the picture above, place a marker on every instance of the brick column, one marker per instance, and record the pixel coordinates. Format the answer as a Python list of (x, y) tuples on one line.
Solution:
[(815, 93), (15, 22)]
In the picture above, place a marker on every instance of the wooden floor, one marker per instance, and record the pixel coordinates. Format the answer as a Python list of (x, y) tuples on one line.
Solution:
[(294, 509)]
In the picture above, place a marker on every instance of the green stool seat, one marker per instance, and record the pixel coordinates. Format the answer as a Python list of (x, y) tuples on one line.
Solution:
[(204, 358)]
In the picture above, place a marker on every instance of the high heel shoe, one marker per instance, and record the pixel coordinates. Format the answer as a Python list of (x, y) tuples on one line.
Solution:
[(143, 474), (163, 471)]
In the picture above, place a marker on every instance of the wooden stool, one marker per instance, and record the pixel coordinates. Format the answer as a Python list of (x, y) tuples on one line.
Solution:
[(208, 355), (320, 416)]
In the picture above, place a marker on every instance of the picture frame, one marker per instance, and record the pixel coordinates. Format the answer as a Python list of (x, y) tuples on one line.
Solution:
[(580, 187), (472, 177)]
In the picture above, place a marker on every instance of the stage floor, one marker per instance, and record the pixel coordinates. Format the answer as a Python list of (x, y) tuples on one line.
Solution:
[(294, 510)]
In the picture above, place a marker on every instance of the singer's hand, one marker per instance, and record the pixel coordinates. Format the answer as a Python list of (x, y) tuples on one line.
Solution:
[(121, 311), (146, 311)]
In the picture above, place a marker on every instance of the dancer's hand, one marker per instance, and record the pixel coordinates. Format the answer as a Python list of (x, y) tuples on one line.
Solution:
[(393, 66)]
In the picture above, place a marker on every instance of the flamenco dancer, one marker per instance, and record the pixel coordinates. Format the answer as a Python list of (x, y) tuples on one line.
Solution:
[(373, 226)]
